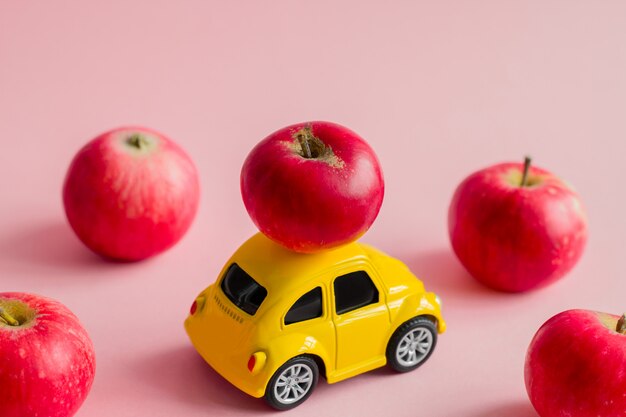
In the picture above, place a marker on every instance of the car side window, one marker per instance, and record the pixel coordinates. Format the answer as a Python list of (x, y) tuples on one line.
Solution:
[(354, 290), (308, 307)]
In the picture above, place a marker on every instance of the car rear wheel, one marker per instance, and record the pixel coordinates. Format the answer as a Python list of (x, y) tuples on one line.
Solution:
[(292, 383), (412, 344)]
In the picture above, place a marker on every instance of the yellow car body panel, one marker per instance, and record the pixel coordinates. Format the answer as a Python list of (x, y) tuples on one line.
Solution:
[(344, 345)]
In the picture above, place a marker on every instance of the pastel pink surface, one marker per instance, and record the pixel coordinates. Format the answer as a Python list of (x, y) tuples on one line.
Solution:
[(438, 89)]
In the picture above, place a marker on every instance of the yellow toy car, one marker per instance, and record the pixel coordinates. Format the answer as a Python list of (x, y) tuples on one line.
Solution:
[(276, 319)]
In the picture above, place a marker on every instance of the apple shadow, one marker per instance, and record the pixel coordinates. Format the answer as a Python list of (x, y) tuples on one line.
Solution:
[(50, 244), (517, 409), (443, 274), (183, 375)]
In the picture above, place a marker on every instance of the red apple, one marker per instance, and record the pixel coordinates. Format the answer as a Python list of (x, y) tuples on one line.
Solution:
[(516, 227), (312, 186), (131, 193), (47, 360), (576, 366)]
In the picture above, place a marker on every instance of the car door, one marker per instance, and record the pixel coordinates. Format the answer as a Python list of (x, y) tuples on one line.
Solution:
[(361, 320), (309, 319)]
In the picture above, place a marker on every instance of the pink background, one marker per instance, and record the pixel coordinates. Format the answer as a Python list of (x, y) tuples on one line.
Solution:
[(439, 89)]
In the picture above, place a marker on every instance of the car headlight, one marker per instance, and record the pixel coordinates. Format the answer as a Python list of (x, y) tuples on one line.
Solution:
[(438, 301)]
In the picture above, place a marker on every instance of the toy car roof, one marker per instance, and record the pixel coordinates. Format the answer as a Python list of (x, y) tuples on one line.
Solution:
[(277, 268)]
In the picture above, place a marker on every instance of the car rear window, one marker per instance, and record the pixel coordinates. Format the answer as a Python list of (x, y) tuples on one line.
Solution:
[(242, 289)]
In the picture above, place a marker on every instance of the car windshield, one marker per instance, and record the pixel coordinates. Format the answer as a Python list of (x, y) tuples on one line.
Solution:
[(243, 290)]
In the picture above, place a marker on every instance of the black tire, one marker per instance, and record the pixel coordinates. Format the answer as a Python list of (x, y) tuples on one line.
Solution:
[(412, 344), (288, 387)]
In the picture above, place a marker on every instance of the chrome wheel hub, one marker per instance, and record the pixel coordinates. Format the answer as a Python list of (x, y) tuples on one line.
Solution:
[(293, 384), (414, 347)]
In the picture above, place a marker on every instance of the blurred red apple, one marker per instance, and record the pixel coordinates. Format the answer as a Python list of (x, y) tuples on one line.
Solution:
[(47, 360), (516, 227), (312, 186), (576, 366), (131, 193)]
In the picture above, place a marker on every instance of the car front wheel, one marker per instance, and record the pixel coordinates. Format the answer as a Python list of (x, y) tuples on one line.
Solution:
[(292, 383), (412, 344)]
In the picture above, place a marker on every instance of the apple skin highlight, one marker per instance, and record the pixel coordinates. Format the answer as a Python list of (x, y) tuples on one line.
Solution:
[(131, 193), (308, 204), (516, 238), (575, 366), (47, 365)]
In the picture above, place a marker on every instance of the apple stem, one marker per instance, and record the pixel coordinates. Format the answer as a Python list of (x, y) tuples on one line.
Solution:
[(312, 147), (7, 318), (137, 141), (527, 161), (304, 142), (621, 324)]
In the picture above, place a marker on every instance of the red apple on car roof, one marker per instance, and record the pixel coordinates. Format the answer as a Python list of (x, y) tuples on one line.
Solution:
[(312, 186)]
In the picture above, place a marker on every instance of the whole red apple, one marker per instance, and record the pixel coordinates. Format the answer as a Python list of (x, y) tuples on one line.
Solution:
[(576, 366), (312, 186), (131, 193), (47, 360), (516, 227)]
